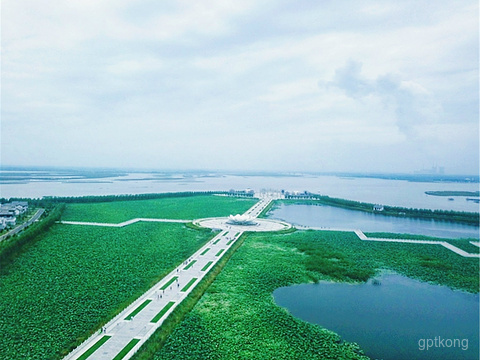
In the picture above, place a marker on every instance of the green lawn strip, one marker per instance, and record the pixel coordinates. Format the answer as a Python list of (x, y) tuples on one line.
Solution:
[(217, 241), (170, 282), (138, 309), (207, 265), (219, 252), (190, 265), (228, 243), (190, 283), (205, 251), (162, 312), (94, 347), (126, 349)]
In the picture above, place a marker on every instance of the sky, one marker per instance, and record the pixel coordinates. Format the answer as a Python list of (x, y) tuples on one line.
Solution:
[(348, 86)]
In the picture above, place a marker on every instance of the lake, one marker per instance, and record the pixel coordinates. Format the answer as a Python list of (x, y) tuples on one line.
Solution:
[(372, 190), (323, 216), (393, 320)]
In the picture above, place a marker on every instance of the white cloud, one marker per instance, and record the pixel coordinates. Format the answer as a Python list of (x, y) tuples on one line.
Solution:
[(138, 83)]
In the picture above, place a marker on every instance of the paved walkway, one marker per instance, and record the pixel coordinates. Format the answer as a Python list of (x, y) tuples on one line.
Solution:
[(133, 326), (122, 224), (364, 237)]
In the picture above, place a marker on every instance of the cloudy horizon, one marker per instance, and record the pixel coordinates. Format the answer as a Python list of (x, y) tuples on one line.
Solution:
[(257, 86)]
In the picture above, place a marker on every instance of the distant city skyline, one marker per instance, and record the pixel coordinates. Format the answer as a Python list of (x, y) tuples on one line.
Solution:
[(385, 87)]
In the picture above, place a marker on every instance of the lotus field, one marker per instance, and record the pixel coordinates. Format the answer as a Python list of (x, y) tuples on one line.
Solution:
[(75, 278), (185, 208)]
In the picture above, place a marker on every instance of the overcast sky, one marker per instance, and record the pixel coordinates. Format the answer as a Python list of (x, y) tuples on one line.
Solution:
[(384, 86)]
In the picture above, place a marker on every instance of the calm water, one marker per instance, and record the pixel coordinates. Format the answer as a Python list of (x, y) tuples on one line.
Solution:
[(381, 191), (390, 320), (322, 216)]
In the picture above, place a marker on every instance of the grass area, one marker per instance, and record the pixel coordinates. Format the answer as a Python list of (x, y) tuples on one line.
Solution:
[(126, 349), (238, 319), (187, 208), (138, 309), (95, 347), (189, 284), (74, 279), (168, 283), (190, 265), (205, 251), (163, 311), (228, 243), (220, 252), (217, 241), (207, 265)]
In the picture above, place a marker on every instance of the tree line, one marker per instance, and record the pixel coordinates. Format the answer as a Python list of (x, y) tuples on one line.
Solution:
[(442, 215)]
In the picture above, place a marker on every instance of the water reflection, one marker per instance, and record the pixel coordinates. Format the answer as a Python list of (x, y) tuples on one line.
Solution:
[(322, 216), (391, 320)]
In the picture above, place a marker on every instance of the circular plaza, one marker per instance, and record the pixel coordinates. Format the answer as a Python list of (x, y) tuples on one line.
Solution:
[(258, 225)]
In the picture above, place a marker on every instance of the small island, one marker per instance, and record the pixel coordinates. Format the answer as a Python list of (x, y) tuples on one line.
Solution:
[(453, 193)]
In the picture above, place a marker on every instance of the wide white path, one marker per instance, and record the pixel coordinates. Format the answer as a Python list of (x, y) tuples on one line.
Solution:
[(122, 224)]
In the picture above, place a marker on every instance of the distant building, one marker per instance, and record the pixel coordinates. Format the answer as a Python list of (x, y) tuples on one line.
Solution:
[(241, 193), (10, 211), (10, 221), (21, 206), (378, 208), (298, 195)]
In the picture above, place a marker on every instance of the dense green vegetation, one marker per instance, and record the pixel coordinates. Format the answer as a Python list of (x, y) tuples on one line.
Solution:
[(238, 319), (74, 279), (70, 280), (441, 215), (191, 207)]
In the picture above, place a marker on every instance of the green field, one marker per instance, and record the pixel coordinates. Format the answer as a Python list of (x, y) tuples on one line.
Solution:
[(68, 284), (65, 286), (185, 208), (238, 319)]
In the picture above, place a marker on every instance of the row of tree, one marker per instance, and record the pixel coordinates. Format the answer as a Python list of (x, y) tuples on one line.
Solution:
[(14, 245), (442, 215), (47, 201)]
